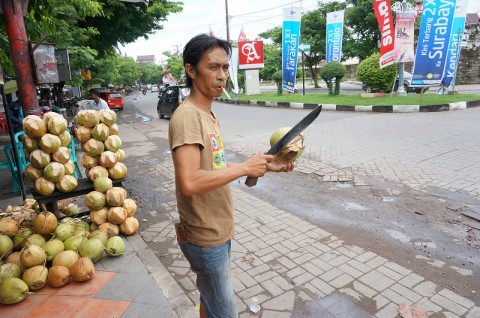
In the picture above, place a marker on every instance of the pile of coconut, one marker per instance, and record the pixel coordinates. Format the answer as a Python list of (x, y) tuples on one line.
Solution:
[(49, 252), (98, 133), (46, 148)]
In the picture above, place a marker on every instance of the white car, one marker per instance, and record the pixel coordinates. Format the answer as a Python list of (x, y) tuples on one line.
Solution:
[(154, 88)]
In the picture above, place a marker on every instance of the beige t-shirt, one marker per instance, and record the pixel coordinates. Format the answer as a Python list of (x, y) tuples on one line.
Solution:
[(207, 217)]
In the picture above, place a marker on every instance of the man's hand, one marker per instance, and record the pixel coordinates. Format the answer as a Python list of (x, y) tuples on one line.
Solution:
[(277, 166)]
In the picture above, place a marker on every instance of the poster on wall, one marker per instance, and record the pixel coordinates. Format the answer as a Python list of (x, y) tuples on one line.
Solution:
[(290, 43), (44, 63)]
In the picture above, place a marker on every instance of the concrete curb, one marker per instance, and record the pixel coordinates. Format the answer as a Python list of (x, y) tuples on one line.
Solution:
[(371, 108)]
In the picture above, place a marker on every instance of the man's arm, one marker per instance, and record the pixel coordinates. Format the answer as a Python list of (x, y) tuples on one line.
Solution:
[(193, 180)]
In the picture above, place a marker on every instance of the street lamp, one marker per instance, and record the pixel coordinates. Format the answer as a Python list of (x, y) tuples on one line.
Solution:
[(402, 7)]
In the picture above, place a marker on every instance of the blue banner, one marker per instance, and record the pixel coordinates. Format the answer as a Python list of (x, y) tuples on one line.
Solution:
[(334, 36), (453, 56), (433, 42), (290, 43)]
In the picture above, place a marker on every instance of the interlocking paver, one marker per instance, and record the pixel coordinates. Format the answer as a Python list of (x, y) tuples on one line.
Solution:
[(448, 304)]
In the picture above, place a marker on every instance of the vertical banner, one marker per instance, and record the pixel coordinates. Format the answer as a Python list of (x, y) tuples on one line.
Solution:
[(453, 55), (433, 42), (290, 43), (334, 35), (404, 29), (233, 70), (383, 13)]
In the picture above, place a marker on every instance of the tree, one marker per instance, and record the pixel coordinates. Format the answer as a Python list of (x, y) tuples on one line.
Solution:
[(377, 79), (272, 61), (333, 70), (174, 64), (150, 73)]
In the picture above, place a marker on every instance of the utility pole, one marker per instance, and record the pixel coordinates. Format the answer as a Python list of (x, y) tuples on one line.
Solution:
[(226, 18)]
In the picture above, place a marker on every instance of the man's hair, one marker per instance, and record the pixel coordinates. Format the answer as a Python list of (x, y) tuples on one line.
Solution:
[(199, 45), (94, 91)]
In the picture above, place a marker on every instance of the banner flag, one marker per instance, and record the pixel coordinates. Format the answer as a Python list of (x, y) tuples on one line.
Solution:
[(290, 42), (383, 13), (404, 29), (453, 55), (210, 31), (242, 36), (433, 42), (334, 35), (233, 70)]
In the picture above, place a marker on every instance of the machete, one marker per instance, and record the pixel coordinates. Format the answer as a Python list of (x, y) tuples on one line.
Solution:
[(289, 137)]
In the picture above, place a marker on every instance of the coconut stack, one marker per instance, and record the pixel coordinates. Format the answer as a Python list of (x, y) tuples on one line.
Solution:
[(49, 252), (98, 133), (111, 211), (46, 144)]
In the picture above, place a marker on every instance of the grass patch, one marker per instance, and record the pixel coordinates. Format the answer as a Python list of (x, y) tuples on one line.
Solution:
[(357, 100)]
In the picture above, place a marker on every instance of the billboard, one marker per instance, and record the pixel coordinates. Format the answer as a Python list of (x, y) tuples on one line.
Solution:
[(250, 54)]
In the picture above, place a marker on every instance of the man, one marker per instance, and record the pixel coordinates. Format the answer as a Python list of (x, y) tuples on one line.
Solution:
[(99, 103), (202, 176)]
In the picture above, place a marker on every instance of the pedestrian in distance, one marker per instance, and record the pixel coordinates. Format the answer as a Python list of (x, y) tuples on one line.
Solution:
[(99, 103), (202, 176)]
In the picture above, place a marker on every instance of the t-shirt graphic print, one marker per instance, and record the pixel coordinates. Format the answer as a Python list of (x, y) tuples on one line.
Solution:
[(218, 152)]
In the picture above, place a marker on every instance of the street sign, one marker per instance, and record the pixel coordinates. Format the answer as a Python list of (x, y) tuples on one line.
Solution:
[(304, 47)]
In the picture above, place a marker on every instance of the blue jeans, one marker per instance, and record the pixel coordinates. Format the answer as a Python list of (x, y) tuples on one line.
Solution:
[(212, 266)]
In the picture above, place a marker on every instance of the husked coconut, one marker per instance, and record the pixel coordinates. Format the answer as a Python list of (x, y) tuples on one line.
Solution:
[(9, 226), (50, 143), (130, 206), (114, 130), (116, 215), (95, 200), (83, 134), (71, 209), (67, 184), (32, 255), (93, 147), (110, 229), (99, 235), (107, 159), (292, 151), (6, 246), (54, 171), (99, 216), (115, 196), (62, 155), (100, 132), (66, 258), (88, 118), (34, 126), (43, 186), (56, 124), (45, 223), (20, 239), (102, 184), (118, 171), (113, 143), (115, 246), (69, 167), (130, 226), (30, 144), (39, 158), (120, 154), (33, 173), (108, 117), (89, 162), (97, 171), (52, 248), (65, 138)]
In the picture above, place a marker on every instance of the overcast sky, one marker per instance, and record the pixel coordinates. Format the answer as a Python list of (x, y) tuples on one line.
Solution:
[(197, 15)]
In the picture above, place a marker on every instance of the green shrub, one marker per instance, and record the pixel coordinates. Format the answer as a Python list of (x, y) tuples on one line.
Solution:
[(277, 77), (375, 78), (333, 70)]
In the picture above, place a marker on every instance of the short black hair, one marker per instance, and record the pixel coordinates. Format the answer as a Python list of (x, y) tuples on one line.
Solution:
[(94, 91), (197, 46)]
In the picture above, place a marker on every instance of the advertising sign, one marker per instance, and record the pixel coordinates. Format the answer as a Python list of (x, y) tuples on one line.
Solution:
[(404, 29), (250, 54), (334, 35), (453, 54), (290, 42), (44, 63), (383, 13), (433, 42)]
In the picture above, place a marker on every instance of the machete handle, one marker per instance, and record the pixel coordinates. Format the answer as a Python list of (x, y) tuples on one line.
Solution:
[(251, 181)]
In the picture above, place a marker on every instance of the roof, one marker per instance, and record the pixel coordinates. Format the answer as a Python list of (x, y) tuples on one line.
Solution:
[(145, 58), (472, 18)]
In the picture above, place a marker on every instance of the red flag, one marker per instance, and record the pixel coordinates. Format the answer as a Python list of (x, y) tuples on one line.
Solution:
[(383, 13), (242, 36), (210, 31)]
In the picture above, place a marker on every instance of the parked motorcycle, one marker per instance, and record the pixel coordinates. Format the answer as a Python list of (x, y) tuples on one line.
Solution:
[(144, 90)]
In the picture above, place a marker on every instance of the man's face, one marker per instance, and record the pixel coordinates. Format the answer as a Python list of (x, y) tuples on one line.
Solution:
[(211, 73)]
